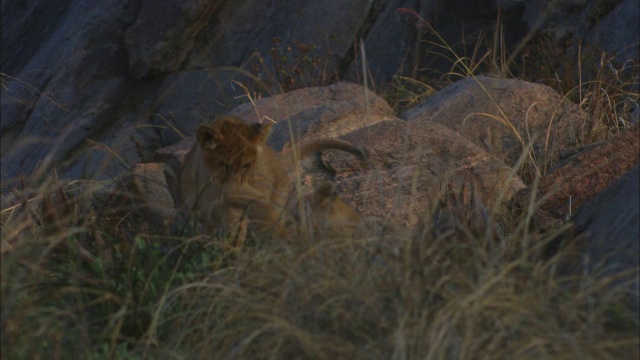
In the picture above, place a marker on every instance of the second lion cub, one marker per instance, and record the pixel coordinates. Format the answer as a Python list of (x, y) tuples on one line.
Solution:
[(233, 182)]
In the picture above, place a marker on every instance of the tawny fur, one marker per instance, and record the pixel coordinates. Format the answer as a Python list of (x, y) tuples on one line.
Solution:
[(234, 182), (327, 214)]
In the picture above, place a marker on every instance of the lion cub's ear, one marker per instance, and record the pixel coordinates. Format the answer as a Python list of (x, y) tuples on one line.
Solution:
[(208, 137), (262, 132)]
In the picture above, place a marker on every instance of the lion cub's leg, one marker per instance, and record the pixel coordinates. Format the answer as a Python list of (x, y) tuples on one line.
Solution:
[(325, 214), (240, 235), (261, 212), (267, 220)]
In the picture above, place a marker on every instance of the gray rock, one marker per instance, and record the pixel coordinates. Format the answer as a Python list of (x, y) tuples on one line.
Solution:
[(151, 186), (610, 231), (608, 25), (618, 32), (609, 220), (64, 87), (240, 31)]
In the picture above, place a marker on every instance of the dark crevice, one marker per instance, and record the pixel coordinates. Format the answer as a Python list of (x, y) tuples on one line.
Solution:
[(375, 10)]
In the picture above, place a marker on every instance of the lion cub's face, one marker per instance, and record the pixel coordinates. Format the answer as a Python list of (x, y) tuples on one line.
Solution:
[(230, 148)]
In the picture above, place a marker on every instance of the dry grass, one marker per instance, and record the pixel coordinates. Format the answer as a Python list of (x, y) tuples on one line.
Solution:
[(607, 91), (102, 289)]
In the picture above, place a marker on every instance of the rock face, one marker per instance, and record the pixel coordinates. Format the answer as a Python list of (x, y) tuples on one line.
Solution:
[(609, 221), (608, 25), (82, 82), (610, 234), (164, 34)]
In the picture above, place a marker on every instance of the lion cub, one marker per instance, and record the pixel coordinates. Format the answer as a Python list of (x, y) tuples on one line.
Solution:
[(234, 182)]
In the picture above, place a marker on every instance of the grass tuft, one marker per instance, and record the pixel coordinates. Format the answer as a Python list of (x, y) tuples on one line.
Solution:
[(449, 289)]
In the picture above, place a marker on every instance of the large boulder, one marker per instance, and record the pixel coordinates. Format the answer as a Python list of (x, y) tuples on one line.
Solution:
[(96, 88), (411, 164), (503, 116)]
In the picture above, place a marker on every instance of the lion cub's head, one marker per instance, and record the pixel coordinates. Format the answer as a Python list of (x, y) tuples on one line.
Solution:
[(230, 148)]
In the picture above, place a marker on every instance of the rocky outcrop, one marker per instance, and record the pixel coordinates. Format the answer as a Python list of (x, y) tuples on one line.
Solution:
[(95, 88), (466, 134), (411, 161)]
